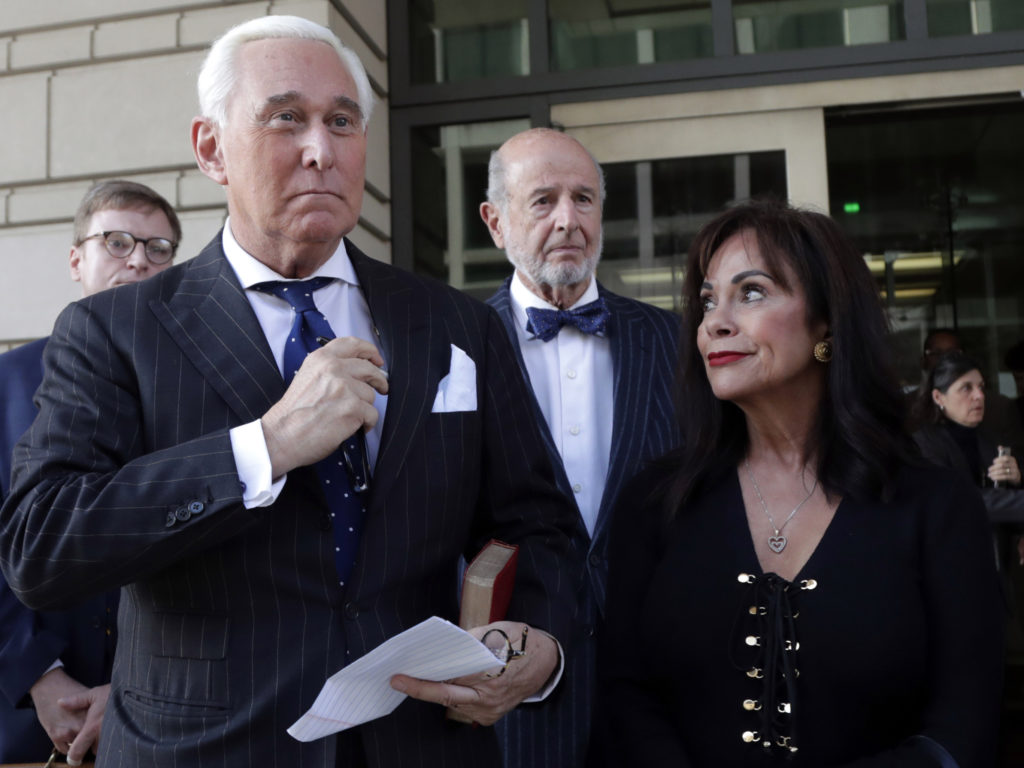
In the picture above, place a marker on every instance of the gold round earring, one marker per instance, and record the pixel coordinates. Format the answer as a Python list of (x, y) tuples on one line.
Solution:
[(823, 351)]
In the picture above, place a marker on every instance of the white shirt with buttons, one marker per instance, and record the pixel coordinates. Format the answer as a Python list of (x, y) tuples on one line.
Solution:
[(573, 380), (345, 308)]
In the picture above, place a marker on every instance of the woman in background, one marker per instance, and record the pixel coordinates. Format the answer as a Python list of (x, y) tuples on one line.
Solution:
[(951, 406), (789, 587)]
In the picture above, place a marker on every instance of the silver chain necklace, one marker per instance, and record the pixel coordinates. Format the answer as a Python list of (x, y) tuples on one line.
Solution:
[(777, 542)]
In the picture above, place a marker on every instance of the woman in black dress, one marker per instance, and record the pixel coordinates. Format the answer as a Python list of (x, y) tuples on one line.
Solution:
[(951, 407), (793, 586)]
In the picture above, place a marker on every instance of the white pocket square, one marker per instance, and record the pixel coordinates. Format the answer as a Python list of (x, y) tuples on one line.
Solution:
[(457, 390)]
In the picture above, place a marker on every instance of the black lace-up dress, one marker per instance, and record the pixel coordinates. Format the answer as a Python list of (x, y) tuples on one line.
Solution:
[(885, 650)]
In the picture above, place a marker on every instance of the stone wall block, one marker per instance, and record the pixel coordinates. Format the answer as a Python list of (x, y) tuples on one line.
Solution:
[(370, 244), (198, 228), (376, 213), (202, 27), (23, 148), (46, 202), (372, 15), (145, 35), (378, 151), (314, 10), (195, 189), (21, 14), (54, 47), (111, 119), (375, 67), (166, 184), (39, 257)]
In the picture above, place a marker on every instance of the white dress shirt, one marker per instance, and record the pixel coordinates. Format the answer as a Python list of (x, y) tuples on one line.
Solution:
[(342, 303), (572, 378)]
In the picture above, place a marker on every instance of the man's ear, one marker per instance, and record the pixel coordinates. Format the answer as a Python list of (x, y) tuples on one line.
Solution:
[(492, 218), (206, 147), (75, 262)]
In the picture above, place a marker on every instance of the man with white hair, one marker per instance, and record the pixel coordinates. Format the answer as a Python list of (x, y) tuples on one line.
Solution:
[(276, 515), (601, 368)]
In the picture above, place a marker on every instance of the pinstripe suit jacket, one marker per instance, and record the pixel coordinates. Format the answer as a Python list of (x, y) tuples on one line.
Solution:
[(643, 345), (232, 618)]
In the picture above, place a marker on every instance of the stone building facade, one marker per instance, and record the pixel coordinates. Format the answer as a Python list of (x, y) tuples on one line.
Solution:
[(98, 89)]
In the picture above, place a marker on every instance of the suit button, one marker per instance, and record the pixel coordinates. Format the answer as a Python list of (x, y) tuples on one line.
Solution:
[(325, 522), (171, 519), (195, 507), (351, 611), (96, 623), (182, 513), (594, 559)]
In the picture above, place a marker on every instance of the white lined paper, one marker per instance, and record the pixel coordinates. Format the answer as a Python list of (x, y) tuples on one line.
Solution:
[(434, 649)]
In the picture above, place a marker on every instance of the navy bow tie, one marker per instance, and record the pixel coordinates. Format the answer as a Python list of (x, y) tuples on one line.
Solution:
[(545, 324)]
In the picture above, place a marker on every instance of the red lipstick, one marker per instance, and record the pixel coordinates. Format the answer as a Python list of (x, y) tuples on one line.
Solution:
[(724, 358)]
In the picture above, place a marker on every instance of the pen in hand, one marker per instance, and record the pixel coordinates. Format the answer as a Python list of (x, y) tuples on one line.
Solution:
[(358, 467)]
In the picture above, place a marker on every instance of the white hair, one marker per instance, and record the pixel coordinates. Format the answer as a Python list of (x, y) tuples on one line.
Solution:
[(497, 171), (217, 78)]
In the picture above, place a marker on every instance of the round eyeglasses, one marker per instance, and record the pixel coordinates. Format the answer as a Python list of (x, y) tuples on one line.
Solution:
[(158, 250)]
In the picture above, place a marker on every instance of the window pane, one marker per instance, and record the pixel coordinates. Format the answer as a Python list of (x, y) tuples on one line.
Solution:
[(655, 207), (450, 241), (974, 17), (465, 39), (783, 25), (608, 33), (933, 197)]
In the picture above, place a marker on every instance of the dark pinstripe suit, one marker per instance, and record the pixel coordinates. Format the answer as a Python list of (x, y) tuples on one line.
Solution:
[(232, 618), (643, 345)]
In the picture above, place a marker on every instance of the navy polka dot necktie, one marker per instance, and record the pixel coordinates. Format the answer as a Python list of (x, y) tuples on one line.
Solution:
[(342, 470), (591, 319)]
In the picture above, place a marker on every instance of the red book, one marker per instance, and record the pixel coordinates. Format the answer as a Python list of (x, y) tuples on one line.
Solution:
[(487, 584), (486, 591)]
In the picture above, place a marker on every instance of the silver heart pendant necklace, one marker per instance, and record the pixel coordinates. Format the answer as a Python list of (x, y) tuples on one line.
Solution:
[(777, 541)]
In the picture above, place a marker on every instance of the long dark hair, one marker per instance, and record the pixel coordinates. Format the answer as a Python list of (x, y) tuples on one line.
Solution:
[(858, 432), (950, 367)]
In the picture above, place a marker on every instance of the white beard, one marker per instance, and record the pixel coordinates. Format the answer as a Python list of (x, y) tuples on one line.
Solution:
[(555, 274)]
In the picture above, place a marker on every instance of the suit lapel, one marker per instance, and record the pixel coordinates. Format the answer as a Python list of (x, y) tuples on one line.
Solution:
[(211, 320), (401, 319), (632, 354)]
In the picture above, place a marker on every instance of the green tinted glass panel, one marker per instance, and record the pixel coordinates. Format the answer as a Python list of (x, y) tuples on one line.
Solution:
[(588, 34), (974, 17), (762, 26), (455, 40), (940, 217), (655, 207)]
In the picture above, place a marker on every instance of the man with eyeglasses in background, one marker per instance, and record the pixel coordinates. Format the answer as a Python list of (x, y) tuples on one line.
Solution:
[(55, 665)]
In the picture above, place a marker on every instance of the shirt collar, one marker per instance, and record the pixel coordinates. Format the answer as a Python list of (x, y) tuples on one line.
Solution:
[(250, 271), (522, 297)]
